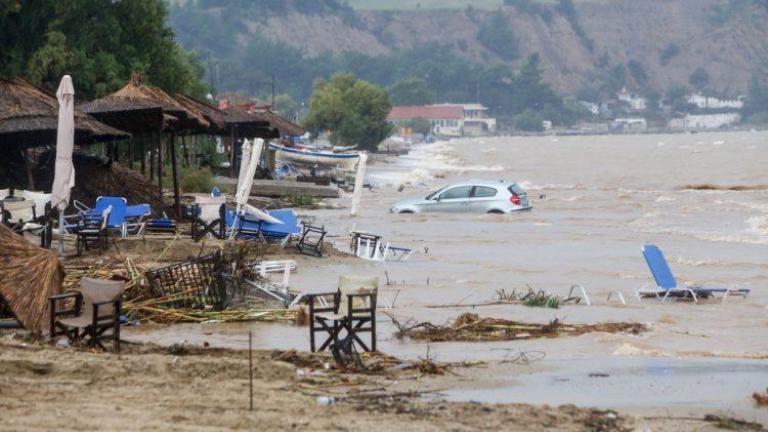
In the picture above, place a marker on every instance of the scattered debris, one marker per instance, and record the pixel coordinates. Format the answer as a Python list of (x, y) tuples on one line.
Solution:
[(761, 399), (470, 327), (733, 424)]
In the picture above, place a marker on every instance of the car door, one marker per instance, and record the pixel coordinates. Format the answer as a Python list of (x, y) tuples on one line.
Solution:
[(483, 199), (454, 199)]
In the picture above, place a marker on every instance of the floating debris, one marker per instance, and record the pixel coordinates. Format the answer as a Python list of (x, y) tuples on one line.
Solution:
[(470, 327)]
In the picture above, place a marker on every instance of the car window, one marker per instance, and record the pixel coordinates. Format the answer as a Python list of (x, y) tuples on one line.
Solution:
[(433, 194), (484, 192), (457, 192), (517, 190)]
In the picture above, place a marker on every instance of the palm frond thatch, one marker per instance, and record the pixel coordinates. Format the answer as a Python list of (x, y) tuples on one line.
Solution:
[(29, 117), (260, 117), (139, 99), (216, 118), (29, 275)]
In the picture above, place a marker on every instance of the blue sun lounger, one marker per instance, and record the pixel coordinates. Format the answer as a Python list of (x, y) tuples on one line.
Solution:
[(124, 218), (249, 227), (666, 284)]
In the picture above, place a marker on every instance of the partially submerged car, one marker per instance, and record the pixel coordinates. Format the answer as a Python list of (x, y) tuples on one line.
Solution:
[(480, 196)]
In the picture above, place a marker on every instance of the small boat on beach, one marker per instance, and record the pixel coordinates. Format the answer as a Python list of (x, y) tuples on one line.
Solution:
[(308, 156)]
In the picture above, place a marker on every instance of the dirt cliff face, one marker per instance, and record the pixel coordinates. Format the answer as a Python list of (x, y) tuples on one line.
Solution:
[(729, 39)]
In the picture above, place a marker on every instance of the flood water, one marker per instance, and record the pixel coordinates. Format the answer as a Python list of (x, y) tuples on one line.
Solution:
[(596, 201)]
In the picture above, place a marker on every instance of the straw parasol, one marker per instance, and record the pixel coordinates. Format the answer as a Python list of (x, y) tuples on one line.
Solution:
[(261, 123), (29, 118), (139, 107), (29, 275), (217, 119)]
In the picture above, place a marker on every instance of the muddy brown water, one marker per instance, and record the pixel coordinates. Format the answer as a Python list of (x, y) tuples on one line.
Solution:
[(596, 201)]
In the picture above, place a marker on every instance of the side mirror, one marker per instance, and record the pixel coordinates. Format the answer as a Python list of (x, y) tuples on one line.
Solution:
[(437, 198)]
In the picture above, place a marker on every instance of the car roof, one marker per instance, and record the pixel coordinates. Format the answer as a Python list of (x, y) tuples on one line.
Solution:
[(502, 184)]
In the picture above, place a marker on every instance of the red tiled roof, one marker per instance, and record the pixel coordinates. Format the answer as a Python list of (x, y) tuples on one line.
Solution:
[(427, 112)]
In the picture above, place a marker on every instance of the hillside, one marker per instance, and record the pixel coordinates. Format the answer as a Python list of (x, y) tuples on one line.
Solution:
[(649, 44)]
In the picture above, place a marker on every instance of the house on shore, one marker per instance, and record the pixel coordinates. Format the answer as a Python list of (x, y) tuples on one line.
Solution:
[(706, 121), (451, 120)]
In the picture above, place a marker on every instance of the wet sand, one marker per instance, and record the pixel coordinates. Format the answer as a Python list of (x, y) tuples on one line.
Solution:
[(596, 200)]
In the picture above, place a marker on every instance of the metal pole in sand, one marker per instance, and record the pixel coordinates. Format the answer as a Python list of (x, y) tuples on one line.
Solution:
[(250, 366)]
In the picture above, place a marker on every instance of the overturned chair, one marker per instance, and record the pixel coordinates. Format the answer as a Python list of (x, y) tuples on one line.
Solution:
[(311, 241), (94, 316), (195, 284), (352, 308)]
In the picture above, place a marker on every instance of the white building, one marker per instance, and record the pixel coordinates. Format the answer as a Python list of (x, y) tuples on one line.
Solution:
[(705, 121), (629, 124), (636, 102), (707, 102), (448, 119)]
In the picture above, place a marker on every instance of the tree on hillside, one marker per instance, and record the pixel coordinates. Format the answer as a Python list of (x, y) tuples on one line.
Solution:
[(699, 79), (497, 35), (354, 111), (531, 92), (99, 42), (410, 91)]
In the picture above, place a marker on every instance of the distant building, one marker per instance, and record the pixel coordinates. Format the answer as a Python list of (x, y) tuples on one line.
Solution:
[(635, 102), (591, 107), (453, 120), (705, 121), (628, 124), (706, 102)]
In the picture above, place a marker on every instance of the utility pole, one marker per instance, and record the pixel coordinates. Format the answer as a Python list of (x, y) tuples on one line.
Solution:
[(273, 92)]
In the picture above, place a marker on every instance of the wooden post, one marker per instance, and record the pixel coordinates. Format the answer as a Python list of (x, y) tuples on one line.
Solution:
[(184, 151), (151, 162), (30, 175), (175, 170), (232, 154), (143, 153), (130, 153), (160, 164)]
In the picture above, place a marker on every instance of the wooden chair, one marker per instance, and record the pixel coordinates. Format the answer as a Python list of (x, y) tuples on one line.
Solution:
[(352, 308), (95, 315), (93, 230), (311, 241)]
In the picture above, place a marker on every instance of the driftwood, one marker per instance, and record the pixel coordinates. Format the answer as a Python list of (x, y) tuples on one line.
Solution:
[(470, 327)]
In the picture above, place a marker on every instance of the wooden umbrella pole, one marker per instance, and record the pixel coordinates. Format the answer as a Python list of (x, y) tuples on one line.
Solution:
[(130, 153), (28, 166), (175, 170), (160, 164), (151, 162)]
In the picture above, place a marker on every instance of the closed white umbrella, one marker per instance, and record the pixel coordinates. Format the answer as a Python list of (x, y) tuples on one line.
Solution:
[(246, 182), (245, 160), (64, 176), (359, 179)]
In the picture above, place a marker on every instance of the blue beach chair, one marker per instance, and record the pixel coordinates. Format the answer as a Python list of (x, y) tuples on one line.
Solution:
[(250, 227), (124, 218), (667, 285)]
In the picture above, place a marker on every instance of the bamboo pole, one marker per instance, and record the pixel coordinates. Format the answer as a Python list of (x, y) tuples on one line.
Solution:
[(175, 170), (28, 166), (160, 164)]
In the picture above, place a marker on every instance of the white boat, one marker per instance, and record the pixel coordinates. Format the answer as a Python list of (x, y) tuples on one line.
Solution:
[(315, 157)]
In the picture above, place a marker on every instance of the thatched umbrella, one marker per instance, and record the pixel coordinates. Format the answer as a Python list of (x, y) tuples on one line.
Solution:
[(29, 275), (29, 118)]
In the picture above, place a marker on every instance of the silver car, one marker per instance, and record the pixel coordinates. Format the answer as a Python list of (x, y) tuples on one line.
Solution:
[(479, 196)]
